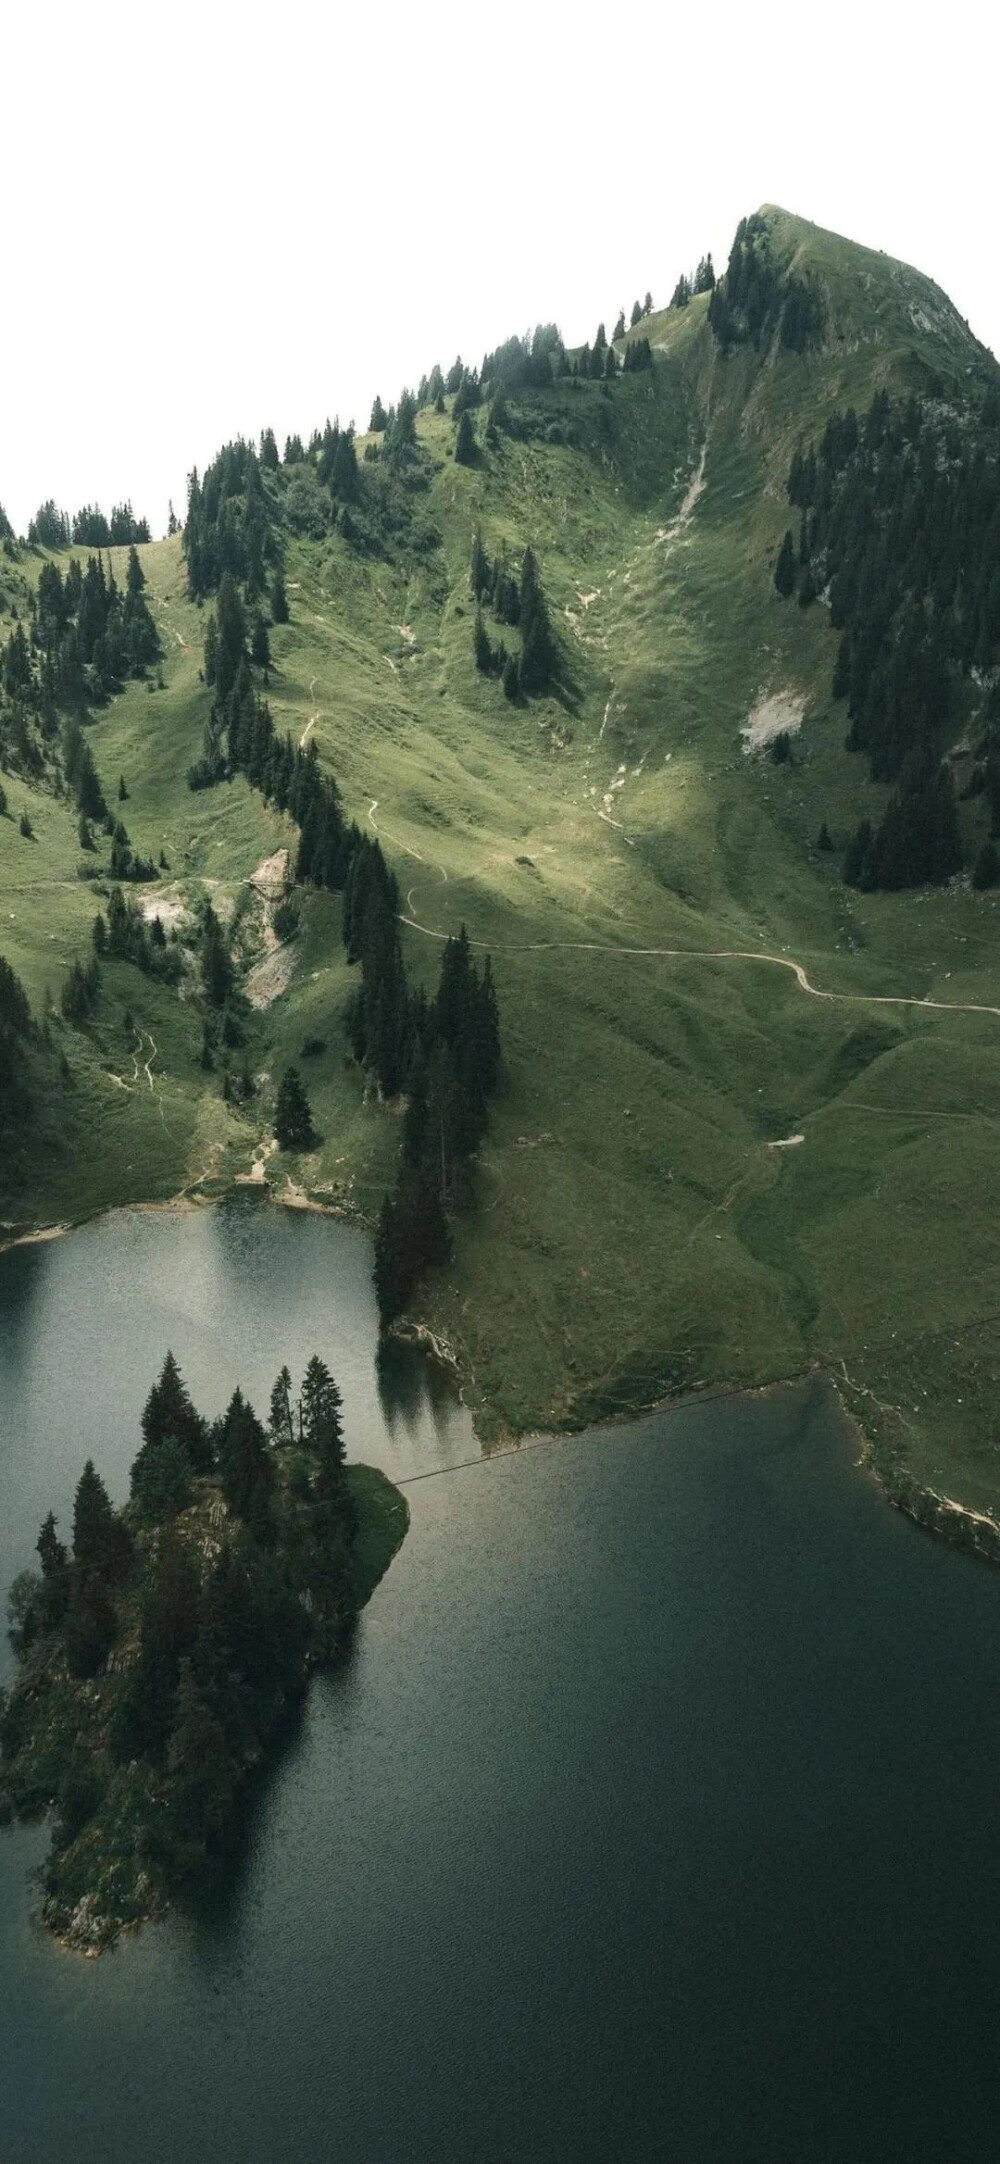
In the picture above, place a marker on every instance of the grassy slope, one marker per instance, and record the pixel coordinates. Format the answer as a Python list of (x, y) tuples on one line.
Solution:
[(635, 1230)]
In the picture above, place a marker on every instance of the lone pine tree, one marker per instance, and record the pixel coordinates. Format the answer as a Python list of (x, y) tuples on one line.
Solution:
[(292, 1119), (465, 441)]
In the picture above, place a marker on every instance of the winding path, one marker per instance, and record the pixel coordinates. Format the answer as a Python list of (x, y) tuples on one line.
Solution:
[(310, 726), (717, 954), (666, 538)]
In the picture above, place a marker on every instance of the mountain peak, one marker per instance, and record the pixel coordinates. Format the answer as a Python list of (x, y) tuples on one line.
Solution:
[(871, 298)]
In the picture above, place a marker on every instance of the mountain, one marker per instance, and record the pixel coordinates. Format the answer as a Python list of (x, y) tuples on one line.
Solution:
[(696, 1171)]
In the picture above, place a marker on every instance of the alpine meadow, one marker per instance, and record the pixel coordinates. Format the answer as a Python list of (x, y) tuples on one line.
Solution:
[(556, 827)]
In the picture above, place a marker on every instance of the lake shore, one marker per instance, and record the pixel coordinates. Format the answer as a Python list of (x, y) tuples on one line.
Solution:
[(974, 1531)]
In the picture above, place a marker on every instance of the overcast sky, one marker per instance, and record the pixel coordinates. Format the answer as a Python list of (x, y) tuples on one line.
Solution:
[(222, 217)]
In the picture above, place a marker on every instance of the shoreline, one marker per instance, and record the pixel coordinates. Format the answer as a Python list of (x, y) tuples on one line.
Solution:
[(956, 1524), (184, 1202)]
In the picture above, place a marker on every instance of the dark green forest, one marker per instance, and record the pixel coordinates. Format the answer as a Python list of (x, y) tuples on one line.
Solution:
[(900, 528), (162, 1646)]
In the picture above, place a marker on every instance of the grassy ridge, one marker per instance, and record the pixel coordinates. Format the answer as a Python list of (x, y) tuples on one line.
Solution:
[(636, 1231)]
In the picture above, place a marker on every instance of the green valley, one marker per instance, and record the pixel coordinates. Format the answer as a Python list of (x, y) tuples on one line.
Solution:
[(696, 1172)]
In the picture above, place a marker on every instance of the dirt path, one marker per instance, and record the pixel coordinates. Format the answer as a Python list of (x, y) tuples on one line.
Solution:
[(719, 954), (310, 727), (404, 846), (687, 954), (144, 1037)]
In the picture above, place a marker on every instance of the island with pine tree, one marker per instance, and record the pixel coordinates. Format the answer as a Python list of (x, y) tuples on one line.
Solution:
[(160, 1653)]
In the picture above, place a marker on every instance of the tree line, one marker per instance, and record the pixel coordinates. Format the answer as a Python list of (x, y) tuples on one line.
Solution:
[(518, 602), (528, 363), (88, 528), (16, 1031), (757, 298), (521, 364), (160, 1649), (241, 738), (688, 285), (229, 525), (452, 1071), (85, 636), (392, 1032), (237, 509), (444, 1053), (900, 527)]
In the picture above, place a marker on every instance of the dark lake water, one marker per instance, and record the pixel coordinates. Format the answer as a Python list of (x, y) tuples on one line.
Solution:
[(655, 1814)]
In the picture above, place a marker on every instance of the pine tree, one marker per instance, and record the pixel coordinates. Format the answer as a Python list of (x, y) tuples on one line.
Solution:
[(537, 644), (321, 1407), (280, 1421), (378, 419), (412, 1234), (55, 1574), (231, 638), (216, 967), (842, 668), (785, 572), (292, 1119), (279, 598), (636, 315), (479, 567), (246, 1469), (260, 644), (169, 1415), (619, 331), (101, 1544), (161, 1481), (210, 651), (481, 646), (857, 854), (823, 839), (465, 441)]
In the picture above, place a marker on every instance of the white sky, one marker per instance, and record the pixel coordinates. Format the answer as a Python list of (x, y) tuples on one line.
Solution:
[(222, 216)]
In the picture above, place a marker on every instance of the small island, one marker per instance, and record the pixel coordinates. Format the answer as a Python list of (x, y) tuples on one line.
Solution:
[(160, 1653)]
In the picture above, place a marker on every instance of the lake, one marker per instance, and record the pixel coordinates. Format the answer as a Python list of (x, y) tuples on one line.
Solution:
[(653, 1814)]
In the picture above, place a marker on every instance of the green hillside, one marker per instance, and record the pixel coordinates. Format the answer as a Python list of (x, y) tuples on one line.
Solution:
[(644, 883)]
